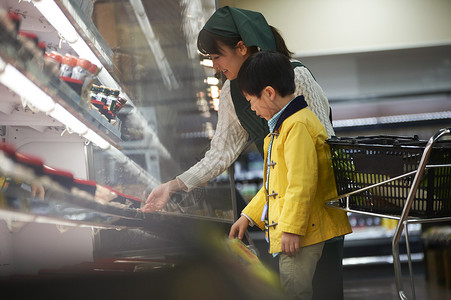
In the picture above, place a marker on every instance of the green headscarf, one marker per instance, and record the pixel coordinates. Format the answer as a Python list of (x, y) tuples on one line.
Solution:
[(251, 26)]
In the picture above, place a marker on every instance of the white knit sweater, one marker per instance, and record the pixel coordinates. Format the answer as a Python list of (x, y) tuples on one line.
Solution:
[(230, 138)]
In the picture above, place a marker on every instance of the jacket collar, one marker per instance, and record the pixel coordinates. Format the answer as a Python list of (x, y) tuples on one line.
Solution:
[(295, 105)]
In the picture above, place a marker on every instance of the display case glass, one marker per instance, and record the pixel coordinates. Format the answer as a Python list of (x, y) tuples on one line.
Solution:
[(157, 124)]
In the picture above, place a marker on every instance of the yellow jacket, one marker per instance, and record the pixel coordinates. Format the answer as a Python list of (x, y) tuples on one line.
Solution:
[(303, 180)]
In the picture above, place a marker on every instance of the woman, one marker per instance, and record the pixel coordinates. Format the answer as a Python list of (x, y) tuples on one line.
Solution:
[(229, 37)]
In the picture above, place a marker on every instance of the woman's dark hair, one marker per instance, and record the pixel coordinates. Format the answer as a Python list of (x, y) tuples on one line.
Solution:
[(266, 68), (280, 43), (207, 43)]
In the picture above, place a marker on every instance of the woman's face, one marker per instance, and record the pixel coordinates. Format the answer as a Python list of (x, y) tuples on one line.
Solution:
[(229, 61)]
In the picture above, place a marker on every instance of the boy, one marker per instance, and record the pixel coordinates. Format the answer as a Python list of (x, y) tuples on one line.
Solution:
[(298, 175)]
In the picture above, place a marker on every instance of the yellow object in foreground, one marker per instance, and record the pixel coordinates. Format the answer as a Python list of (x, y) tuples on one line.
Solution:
[(251, 261)]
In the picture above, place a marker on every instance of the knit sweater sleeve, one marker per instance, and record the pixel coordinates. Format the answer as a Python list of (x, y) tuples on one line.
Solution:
[(314, 95), (228, 142)]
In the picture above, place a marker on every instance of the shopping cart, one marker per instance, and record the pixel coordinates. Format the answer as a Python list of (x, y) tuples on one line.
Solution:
[(401, 178)]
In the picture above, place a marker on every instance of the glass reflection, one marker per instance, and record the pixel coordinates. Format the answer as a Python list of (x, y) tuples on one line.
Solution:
[(168, 125)]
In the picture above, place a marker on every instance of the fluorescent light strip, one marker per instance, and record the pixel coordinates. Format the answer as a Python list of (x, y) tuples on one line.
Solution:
[(97, 139), (24, 87), (392, 119), (50, 10), (21, 85), (65, 117)]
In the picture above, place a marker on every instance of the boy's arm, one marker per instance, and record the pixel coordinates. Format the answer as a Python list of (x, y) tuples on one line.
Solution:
[(239, 228), (255, 208), (290, 244), (302, 178), (251, 215)]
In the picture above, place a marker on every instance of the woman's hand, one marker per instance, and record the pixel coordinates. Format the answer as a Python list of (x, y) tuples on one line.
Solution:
[(160, 195), (239, 228), (290, 244)]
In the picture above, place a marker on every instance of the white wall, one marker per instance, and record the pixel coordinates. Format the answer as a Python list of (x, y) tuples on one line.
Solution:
[(383, 73), (316, 27), (64, 152), (27, 248), (360, 49)]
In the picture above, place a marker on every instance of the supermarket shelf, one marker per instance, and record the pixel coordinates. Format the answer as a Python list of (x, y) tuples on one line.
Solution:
[(384, 259), (88, 32), (13, 52)]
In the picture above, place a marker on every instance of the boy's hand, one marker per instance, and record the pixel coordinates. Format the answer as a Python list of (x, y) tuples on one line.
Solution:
[(239, 228), (290, 244)]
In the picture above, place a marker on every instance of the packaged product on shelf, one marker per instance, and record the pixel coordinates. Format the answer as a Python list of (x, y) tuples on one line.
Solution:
[(53, 61), (55, 57), (31, 162), (93, 71), (62, 177), (89, 80), (102, 100), (98, 98), (112, 99), (80, 71), (15, 19), (75, 84), (30, 42), (107, 114), (119, 104), (42, 46), (93, 96), (67, 65), (88, 186), (102, 95), (28, 36)]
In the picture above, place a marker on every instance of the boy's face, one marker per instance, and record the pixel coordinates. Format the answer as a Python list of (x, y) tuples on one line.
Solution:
[(264, 105)]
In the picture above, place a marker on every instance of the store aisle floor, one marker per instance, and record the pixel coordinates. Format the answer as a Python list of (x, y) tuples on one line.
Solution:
[(384, 287)]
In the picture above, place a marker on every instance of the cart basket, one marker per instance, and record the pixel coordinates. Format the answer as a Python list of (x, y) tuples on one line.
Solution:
[(363, 162)]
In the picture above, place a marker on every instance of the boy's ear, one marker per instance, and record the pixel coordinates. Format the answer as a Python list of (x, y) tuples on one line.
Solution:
[(270, 92)]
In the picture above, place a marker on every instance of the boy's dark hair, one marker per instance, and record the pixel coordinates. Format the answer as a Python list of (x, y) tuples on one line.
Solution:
[(266, 68)]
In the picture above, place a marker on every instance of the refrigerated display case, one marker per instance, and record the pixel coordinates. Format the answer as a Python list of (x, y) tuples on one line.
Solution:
[(96, 164)]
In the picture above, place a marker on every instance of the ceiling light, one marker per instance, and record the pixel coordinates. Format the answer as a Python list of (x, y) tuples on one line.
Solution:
[(207, 63), (212, 81)]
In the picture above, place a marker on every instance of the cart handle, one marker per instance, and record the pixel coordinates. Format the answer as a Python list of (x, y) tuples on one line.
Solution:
[(406, 209)]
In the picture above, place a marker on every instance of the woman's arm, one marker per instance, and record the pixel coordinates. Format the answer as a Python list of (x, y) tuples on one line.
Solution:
[(314, 95), (228, 142)]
